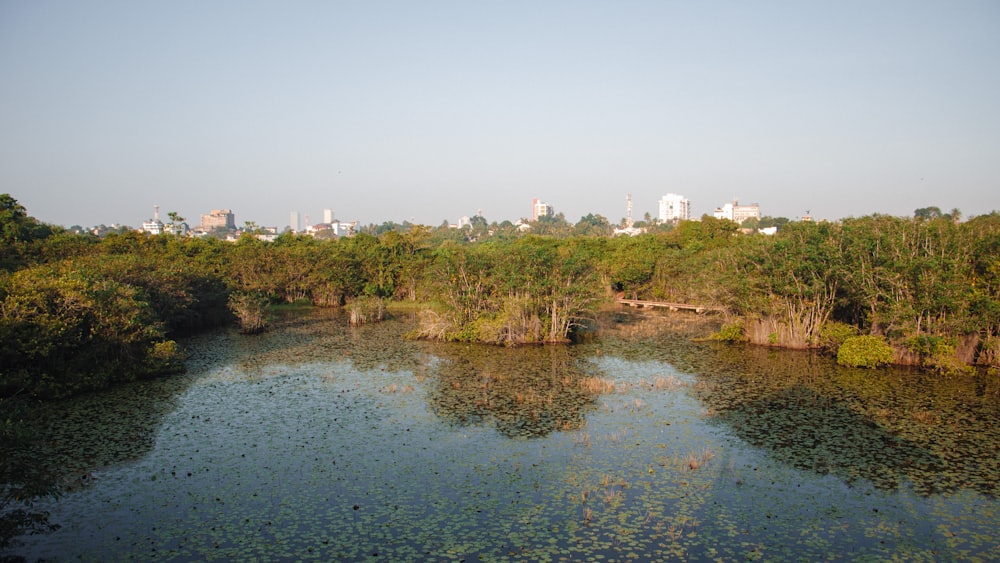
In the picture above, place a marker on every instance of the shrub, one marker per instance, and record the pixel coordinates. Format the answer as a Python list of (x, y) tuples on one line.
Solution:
[(864, 351), (937, 355), (249, 309), (833, 334), (164, 357), (366, 310), (62, 334), (732, 332)]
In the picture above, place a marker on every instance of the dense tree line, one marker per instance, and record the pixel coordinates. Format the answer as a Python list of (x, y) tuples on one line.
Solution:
[(81, 312)]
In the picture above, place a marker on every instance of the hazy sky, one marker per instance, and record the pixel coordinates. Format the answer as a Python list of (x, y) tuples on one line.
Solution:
[(430, 110)]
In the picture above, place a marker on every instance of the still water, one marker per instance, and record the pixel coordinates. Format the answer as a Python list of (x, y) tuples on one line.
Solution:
[(320, 441)]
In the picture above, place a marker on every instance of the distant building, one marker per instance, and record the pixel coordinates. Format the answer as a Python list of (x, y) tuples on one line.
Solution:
[(737, 213), (344, 228), (154, 226), (295, 222), (179, 229), (630, 231), (267, 234), (674, 207), (540, 209), (464, 221), (338, 228), (219, 218)]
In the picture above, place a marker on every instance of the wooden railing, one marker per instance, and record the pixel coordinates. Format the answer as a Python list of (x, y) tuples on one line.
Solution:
[(672, 306)]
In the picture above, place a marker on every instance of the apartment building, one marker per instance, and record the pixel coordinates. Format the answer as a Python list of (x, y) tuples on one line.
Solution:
[(674, 207)]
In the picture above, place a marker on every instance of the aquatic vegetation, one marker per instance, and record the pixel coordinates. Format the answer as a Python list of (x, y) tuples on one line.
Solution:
[(695, 461), (668, 383), (320, 441), (597, 385)]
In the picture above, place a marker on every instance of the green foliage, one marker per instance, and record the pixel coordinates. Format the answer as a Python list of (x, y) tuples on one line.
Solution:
[(531, 289), (937, 354), (18, 233), (64, 334), (249, 309), (366, 309), (865, 351), (705, 234), (630, 262), (833, 334), (731, 332), (15, 224), (164, 357), (791, 279), (593, 226), (908, 276), (80, 312)]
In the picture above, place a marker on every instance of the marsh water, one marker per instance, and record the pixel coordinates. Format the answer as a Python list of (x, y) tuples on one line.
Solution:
[(321, 441)]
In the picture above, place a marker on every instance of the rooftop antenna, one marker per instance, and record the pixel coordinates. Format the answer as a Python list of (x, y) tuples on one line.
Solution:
[(628, 212)]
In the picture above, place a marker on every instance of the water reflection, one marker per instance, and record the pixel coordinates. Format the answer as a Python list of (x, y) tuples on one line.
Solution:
[(888, 426), (892, 427), (324, 335), (317, 438), (522, 392)]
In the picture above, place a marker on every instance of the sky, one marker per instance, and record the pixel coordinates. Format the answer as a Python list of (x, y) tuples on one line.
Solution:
[(427, 111)]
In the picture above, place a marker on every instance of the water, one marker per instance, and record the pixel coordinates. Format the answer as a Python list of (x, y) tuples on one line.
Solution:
[(319, 441)]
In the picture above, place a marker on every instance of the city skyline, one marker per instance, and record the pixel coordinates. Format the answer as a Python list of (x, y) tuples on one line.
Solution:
[(301, 221), (427, 112)]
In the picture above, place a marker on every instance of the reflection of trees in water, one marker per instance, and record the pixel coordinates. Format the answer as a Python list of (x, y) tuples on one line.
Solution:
[(80, 436), (889, 427), (522, 392), (305, 336)]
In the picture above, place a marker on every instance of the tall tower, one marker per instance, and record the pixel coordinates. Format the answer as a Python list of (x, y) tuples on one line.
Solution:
[(156, 212), (328, 216), (628, 212)]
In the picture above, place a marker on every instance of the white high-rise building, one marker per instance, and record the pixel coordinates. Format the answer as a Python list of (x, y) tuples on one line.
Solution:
[(328, 216), (674, 207), (539, 209), (295, 223)]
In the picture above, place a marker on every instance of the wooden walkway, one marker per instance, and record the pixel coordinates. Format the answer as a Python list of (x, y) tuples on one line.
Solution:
[(672, 306)]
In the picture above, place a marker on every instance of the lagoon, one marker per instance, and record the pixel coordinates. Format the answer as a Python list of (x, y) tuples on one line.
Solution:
[(322, 441)]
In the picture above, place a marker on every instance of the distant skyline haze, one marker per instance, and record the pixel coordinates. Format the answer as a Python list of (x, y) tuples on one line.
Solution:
[(430, 111)]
